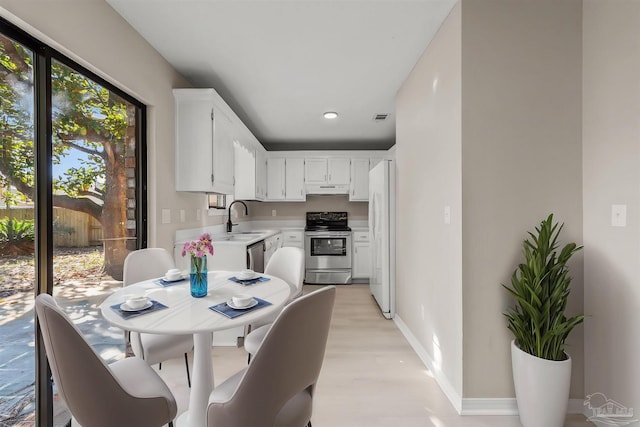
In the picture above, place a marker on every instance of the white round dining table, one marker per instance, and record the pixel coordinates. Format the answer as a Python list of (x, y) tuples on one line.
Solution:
[(188, 315)]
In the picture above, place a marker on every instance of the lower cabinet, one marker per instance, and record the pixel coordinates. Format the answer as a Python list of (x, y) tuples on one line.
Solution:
[(293, 238), (361, 262)]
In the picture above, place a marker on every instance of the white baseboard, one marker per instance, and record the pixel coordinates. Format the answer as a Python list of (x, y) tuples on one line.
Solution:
[(444, 383), (507, 406), (490, 406), (471, 406)]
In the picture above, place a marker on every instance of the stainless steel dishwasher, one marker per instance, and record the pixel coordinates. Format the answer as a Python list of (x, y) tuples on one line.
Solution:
[(255, 256)]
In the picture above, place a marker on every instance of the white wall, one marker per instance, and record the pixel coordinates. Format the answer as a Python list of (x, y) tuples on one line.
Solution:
[(611, 165), (428, 153), (93, 34)]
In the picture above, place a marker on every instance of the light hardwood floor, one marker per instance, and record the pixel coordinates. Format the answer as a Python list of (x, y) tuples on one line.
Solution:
[(370, 377)]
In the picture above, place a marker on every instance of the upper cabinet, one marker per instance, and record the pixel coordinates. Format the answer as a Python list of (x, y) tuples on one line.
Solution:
[(359, 188), (245, 167), (285, 179), (275, 179), (294, 179), (261, 173), (250, 168), (315, 171), (327, 171), (204, 142)]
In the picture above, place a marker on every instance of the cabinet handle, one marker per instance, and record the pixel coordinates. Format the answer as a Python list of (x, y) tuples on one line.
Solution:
[(356, 249), (325, 177)]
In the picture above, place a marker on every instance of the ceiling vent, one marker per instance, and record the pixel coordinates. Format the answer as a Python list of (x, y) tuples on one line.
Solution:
[(380, 117)]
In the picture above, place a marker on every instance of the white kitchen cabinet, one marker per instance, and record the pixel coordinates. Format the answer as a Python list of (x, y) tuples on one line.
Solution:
[(204, 142), (271, 245), (294, 180), (293, 238), (275, 179), (261, 173), (361, 264), (285, 179), (333, 171), (250, 169), (339, 171), (245, 167), (315, 171), (359, 188)]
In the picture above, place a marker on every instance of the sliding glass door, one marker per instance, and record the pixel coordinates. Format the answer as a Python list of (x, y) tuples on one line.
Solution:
[(72, 170), (17, 231)]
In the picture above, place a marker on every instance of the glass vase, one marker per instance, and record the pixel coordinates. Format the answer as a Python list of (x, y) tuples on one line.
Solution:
[(198, 276)]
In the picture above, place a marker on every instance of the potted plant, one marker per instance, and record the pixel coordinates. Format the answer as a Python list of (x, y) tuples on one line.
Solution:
[(541, 367)]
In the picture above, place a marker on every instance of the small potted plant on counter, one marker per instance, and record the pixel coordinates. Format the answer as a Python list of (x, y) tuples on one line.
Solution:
[(541, 367)]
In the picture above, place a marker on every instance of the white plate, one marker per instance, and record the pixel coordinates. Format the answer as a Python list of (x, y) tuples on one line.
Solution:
[(235, 307), (125, 307), (166, 279)]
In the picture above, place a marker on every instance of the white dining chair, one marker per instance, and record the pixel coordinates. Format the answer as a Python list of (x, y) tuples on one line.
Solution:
[(145, 264), (288, 264), (278, 386), (126, 393)]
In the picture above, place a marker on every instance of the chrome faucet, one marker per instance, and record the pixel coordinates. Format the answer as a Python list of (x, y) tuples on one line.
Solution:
[(229, 223)]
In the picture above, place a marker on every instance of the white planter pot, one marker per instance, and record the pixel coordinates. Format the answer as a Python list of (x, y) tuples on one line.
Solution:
[(542, 388)]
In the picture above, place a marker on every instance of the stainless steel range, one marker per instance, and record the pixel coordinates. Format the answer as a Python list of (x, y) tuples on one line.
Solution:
[(327, 244)]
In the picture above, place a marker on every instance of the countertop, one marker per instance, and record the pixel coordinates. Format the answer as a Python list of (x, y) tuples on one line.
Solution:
[(244, 238)]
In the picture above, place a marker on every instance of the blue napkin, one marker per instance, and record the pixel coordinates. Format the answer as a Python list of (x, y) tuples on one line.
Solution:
[(165, 283), (249, 281), (223, 308), (155, 306)]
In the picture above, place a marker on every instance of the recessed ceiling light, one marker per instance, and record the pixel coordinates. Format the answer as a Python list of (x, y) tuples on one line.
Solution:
[(330, 115)]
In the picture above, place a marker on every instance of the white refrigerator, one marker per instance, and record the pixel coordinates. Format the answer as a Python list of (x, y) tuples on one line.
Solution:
[(382, 234)]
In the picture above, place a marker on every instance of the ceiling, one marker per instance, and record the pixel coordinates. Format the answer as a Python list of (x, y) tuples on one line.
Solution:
[(281, 64)]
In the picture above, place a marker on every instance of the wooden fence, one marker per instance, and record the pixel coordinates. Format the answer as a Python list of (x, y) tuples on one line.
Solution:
[(70, 228)]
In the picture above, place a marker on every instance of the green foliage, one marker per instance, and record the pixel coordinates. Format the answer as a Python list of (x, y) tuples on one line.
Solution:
[(89, 124), (540, 287), (16, 231)]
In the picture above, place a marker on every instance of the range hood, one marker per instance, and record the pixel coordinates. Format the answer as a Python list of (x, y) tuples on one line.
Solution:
[(327, 189)]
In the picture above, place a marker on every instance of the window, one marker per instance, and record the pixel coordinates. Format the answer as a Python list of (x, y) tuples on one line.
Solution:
[(72, 170)]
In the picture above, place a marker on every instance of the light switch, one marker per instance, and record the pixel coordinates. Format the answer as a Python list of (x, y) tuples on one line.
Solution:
[(273, 212), (166, 216), (183, 215), (447, 215), (619, 215)]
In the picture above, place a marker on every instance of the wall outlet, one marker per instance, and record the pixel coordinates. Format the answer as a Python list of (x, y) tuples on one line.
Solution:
[(619, 215), (183, 215), (273, 212), (166, 216), (447, 215)]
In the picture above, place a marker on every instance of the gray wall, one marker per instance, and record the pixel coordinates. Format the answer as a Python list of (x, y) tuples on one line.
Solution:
[(611, 165), (521, 160), (513, 158), (297, 210)]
